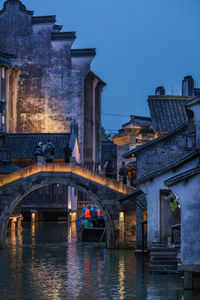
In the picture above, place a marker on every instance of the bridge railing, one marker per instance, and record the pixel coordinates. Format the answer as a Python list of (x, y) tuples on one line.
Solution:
[(67, 168)]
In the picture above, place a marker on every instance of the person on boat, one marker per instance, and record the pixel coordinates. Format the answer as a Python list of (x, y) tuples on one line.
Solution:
[(93, 211), (87, 213), (83, 212), (100, 219)]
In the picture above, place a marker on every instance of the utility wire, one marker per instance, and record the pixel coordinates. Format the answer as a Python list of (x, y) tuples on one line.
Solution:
[(115, 115)]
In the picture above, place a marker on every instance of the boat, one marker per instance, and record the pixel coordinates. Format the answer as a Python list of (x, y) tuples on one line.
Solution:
[(89, 234)]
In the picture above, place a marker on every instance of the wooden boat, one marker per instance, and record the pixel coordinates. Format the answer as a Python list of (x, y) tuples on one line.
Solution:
[(90, 234)]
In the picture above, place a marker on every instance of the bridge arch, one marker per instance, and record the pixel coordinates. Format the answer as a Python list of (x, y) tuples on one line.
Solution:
[(102, 191)]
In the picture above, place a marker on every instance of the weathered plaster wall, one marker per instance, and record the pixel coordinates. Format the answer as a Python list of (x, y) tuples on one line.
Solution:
[(196, 110), (51, 82), (161, 155), (188, 191)]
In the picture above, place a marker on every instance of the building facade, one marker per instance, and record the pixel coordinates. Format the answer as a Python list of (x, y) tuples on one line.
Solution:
[(55, 84), (167, 174)]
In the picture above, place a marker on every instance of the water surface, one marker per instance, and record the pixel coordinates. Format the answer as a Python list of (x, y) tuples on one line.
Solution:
[(44, 261)]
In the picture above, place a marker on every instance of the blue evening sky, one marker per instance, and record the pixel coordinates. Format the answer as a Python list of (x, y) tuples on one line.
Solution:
[(141, 44)]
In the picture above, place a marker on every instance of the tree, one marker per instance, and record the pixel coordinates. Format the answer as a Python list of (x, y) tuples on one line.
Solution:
[(104, 136)]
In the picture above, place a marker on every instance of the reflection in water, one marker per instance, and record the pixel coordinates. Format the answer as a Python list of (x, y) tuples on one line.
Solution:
[(44, 261), (121, 277)]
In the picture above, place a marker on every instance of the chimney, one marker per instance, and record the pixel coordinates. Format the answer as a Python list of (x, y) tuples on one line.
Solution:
[(160, 91), (188, 86)]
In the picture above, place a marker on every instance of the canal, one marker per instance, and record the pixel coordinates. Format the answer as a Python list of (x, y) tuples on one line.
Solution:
[(44, 261)]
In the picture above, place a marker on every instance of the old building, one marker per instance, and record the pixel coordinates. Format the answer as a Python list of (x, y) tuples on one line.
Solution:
[(55, 85), (172, 146), (50, 85), (136, 132), (186, 184), (168, 180)]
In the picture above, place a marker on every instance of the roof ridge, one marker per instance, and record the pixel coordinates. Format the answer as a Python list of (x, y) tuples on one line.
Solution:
[(182, 175)]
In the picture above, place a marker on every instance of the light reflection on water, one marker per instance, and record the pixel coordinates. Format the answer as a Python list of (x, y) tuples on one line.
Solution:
[(44, 261)]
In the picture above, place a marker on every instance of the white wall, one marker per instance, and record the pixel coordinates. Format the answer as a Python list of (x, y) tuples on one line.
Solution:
[(189, 195), (152, 189)]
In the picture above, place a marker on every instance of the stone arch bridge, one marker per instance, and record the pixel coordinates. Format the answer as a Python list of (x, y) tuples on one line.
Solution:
[(105, 192)]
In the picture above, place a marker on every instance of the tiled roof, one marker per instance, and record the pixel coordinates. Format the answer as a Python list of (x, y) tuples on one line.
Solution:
[(155, 141), (24, 145), (144, 122), (140, 120), (167, 112)]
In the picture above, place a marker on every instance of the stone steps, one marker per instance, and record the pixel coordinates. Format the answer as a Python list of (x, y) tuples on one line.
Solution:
[(162, 249), (163, 262), (153, 267), (163, 259), (165, 253)]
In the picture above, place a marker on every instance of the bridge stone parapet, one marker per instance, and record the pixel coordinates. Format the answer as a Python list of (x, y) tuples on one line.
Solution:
[(103, 191)]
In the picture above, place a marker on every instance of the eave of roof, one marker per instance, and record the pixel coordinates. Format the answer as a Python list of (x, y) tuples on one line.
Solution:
[(83, 52), (182, 176), (155, 141), (193, 101), (159, 97), (150, 176), (141, 117), (60, 36), (43, 19)]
